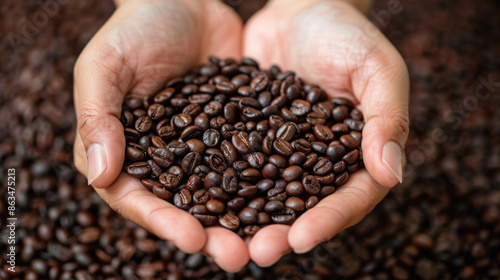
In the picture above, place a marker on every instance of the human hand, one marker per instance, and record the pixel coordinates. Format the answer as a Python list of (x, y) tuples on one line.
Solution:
[(141, 46), (327, 43)]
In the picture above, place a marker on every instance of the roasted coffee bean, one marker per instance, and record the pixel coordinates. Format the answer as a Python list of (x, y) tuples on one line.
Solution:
[(156, 111), (150, 184), (335, 152), (213, 109), (339, 167), (256, 160), (230, 221), (191, 132), (351, 157), (292, 173), (201, 196), (323, 133), (196, 146), (278, 160), (352, 168), (135, 152), (288, 115), (277, 193), (226, 88), (240, 165), (297, 158), (218, 193), (250, 175), (282, 147), (285, 216), (216, 206), (319, 147), (287, 131), (349, 142), (302, 145), (127, 119), (326, 191), (294, 188), (212, 179), (240, 142), (217, 122), (340, 113), (139, 169), (252, 114), (163, 157), (311, 201), (155, 169), (311, 184), (182, 120), (236, 204), (167, 132), (295, 203), (178, 148), (270, 171), (248, 216), (322, 167), (340, 129), (183, 199), (194, 183), (259, 83), (315, 118), (162, 193), (354, 125), (341, 179), (251, 230), (169, 181), (248, 192), (300, 107), (211, 138), (190, 161), (143, 124), (202, 121), (326, 179)]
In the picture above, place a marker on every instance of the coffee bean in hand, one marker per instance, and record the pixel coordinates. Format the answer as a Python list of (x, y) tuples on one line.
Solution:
[(242, 149)]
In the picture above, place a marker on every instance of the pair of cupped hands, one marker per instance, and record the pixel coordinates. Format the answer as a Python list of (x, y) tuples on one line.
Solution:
[(328, 43)]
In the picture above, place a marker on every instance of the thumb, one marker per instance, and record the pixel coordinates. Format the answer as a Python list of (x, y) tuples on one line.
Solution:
[(99, 92), (384, 101)]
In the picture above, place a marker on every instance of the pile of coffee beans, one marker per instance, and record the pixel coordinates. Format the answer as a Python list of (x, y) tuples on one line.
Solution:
[(441, 223), (240, 146)]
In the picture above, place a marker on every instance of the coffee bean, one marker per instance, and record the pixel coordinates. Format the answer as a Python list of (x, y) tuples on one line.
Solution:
[(178, 148), (218, 193), (354, 125), (341, 179), (236, 204), (248, 216), (163, 157), (201, 196), (277, 193), (162, 193), (256, 160), (287, 131), (294, 188), (194, 183), (326, 191), (349, 142), (300, 107), (323, 133), (282, 147), (182, 120), (335, 152), (230, 221), (240, 142), (169, 181), (311, 201), (311, 184), (250, 174), (292, 173), (259, 83), (143, 124), (216, 206), (139, 169), (322, 167), (339, 167), (295, 203), (135, 152), (285, 216), (351, 157)]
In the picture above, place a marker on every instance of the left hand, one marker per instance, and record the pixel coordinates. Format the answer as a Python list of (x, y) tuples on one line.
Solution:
[(331, 44)]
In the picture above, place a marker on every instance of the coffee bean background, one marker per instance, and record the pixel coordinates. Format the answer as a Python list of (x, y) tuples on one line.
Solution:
[(441, 223)]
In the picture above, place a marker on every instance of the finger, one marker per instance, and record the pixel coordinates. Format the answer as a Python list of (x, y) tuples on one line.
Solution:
[(342, 209), (129, 198), (227, 249), (384, 101), (269, 245)]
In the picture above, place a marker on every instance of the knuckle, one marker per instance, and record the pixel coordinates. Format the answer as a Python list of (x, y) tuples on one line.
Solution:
[(401, 123)]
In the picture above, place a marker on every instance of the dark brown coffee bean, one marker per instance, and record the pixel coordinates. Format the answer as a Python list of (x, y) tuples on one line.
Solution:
[(285, 216), (201, 213), (319, 147), (300, 107), (183, 199), (156, 111), (190, 132), (340, 129), (354, 125), (193, 183), (217, 163), (150, 184), (287, 131), (212, 179), (230, 221), (127, 119), (323, 133), (236, 203), (178, 148), (162, 193), (335, 152), (315, 118), (297, 158), (201, 196), (327, 179), (182, 120), (166, 132), (351, 157), (292, 173), (311, 160), (259, 83), (211, 138), (213, 109), (294, 188), (189, 89), (250, 174), (155, 169), (256, 160), (326, 191), (273, 206), (240, 142), (218, 193), (282, 147), (202, 120), (143, 124), (251, 230), (352, 168), (349, 142), (216, 206), (169, 181), (240, 165), (311, 202), (341, 179), (322, 167), (270, 171), (339, 167), (163, 157), (295, 203), (302, 145), (311, 184), (132, 135), (288, 115), (277, 193), (135, 152), (226, 88), (196, 146), (248, 216), (230, 181), (252, 114), (139, 169), (340, 113)]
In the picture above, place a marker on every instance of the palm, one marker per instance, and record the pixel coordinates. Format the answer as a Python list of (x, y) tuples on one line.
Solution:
[(324, 48)]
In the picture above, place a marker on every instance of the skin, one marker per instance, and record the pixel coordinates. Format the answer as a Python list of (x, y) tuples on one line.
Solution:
[(325, 42)]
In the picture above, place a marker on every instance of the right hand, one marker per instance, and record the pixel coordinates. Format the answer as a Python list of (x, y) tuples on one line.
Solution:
[(142, 45)]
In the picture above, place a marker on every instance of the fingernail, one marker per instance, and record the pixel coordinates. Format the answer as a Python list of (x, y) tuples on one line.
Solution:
[(96, 162), (392, 157), (303, 251)]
